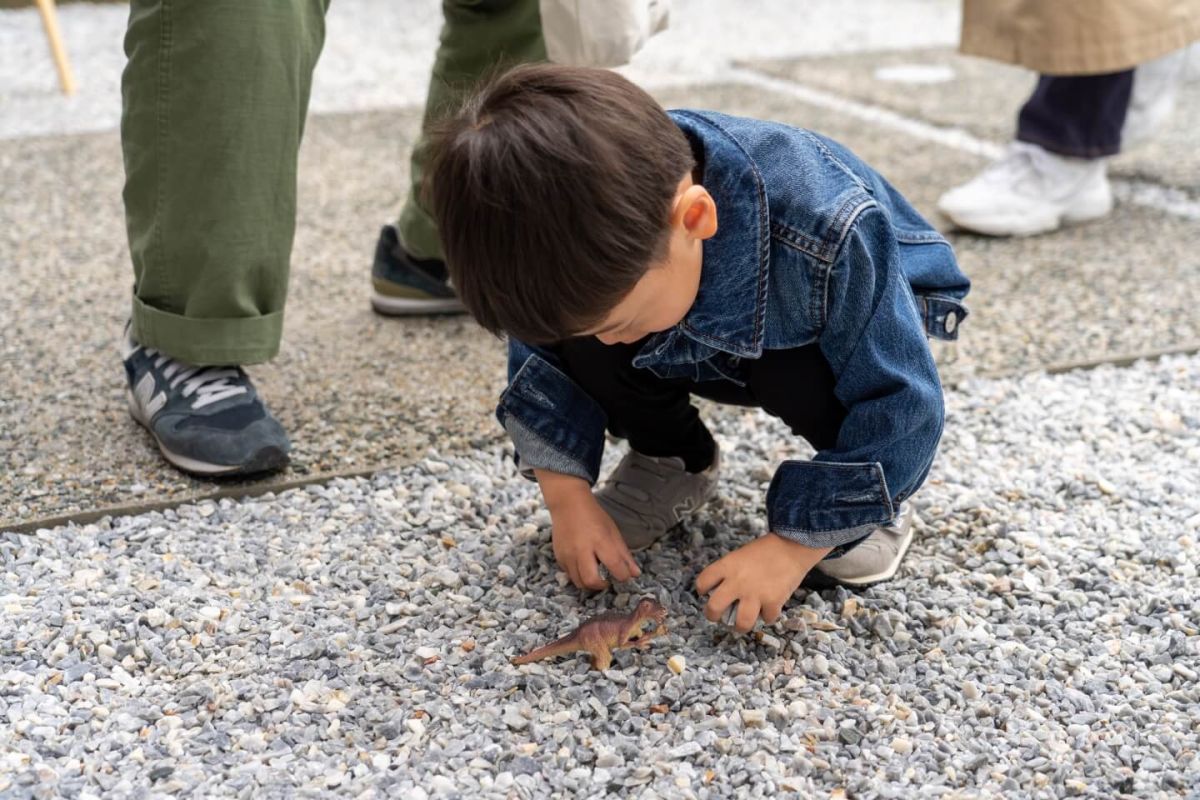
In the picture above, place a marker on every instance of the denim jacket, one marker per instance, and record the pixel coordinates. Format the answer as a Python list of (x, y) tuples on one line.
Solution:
[(812, 246)]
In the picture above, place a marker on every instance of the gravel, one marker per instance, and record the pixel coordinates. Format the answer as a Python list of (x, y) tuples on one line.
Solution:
[(352, 639)]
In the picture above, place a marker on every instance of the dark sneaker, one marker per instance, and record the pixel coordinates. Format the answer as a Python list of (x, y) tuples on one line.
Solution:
[(874, 559), (208, 421), (647, 497), (404, 285)]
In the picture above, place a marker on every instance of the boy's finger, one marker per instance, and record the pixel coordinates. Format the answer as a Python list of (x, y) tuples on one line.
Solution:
[(617, 566), (589, 574), (718, 601), (747, 615), (621, 552), (708, 578), (771, 612), (634, 569)]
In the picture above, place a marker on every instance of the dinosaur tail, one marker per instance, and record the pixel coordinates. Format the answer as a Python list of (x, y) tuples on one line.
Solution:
[(559, 647)]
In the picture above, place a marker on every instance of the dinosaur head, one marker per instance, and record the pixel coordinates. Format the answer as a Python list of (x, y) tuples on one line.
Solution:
[(650, 609)]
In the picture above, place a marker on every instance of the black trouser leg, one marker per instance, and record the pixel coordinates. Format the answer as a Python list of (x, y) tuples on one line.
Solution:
[(796, 386), (1079, 116), (656, 415)]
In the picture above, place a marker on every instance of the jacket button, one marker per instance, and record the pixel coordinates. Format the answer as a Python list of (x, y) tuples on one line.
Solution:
[(951, 322)]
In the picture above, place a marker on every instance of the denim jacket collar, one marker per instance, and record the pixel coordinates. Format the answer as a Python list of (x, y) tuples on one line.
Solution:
[(728, 313)]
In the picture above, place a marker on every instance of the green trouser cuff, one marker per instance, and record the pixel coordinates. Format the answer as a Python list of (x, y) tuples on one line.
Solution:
[(208, 342)]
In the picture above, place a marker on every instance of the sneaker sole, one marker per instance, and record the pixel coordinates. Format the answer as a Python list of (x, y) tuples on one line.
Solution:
[(410, 307), (269, 459), (819, 580)]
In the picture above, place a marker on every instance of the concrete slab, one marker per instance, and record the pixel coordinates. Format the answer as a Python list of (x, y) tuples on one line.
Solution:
[(945, 88), (359, 393)]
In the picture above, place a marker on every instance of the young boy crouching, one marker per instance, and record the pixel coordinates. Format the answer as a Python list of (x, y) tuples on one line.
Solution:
[(637, 257)]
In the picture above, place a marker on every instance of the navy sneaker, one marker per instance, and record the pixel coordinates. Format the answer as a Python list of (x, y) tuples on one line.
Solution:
[(404, 285), (208, 421)]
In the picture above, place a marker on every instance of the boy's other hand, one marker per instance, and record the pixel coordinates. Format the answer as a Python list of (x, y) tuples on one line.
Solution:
[(760, 577), (583, 534)]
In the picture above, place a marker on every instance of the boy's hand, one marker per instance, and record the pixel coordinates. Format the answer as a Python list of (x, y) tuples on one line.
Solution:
[(584, 534), (759, 577)]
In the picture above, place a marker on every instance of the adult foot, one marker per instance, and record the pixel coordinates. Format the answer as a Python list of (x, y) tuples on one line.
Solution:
[(646, 496), (1029, 191), (404, 285), (208, 421)]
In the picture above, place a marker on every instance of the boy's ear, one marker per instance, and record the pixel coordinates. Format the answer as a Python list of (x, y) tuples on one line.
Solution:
[(697, 212)]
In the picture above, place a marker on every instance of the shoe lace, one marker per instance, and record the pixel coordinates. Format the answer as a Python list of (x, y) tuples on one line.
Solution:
[(208, 384)]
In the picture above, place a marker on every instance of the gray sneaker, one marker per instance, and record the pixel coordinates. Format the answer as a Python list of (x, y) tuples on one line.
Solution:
[(208, 421), (647, 496), (876, 558)]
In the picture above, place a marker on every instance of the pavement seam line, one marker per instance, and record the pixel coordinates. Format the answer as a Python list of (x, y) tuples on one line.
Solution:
[(241, 492), (1168, 200), (257, 490)]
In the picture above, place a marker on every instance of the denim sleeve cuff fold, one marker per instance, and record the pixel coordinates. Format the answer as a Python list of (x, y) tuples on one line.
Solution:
[(554, 425), (828, 504)]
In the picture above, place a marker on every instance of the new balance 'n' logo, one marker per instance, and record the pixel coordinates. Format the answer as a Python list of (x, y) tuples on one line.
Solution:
[(150, 402)]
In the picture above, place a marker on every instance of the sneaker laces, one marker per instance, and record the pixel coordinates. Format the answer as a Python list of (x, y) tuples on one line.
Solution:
[(208, 384)]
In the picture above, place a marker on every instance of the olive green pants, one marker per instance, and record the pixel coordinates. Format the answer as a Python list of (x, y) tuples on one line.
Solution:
[(214, 95)]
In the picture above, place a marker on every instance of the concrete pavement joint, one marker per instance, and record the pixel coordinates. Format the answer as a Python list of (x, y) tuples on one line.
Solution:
[(242, 492), (237, 492), (1138, 192)]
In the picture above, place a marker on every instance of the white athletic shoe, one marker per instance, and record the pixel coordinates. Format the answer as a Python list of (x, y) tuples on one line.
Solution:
[(1029, 191), (1155, 92)]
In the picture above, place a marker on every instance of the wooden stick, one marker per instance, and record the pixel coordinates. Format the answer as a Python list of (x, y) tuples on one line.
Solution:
[(50, 23)]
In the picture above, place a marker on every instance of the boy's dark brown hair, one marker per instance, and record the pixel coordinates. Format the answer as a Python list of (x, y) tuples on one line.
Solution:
[(552, 188)]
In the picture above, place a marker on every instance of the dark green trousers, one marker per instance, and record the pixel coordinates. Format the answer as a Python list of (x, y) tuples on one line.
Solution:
[(215, 94)]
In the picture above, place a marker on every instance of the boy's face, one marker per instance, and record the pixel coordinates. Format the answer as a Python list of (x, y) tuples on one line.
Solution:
[(665, 293)]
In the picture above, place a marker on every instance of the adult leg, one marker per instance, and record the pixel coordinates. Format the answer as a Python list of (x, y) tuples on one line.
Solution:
[(478, 37), (1080, 116), (215, 95), (214, 99), (1054, 173)]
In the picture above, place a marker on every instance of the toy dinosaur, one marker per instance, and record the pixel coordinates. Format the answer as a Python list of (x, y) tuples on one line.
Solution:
[(602, 634)]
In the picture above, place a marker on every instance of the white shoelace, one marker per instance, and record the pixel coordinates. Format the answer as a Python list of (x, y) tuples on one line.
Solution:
[(209, 384)]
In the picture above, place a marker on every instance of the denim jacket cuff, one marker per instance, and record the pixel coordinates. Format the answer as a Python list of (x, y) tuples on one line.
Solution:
[(828, 504), (533, 452), (553, 423)]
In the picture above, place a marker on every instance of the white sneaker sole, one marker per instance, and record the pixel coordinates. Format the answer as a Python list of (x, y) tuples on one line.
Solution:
[(410, 307), (269, 461)]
